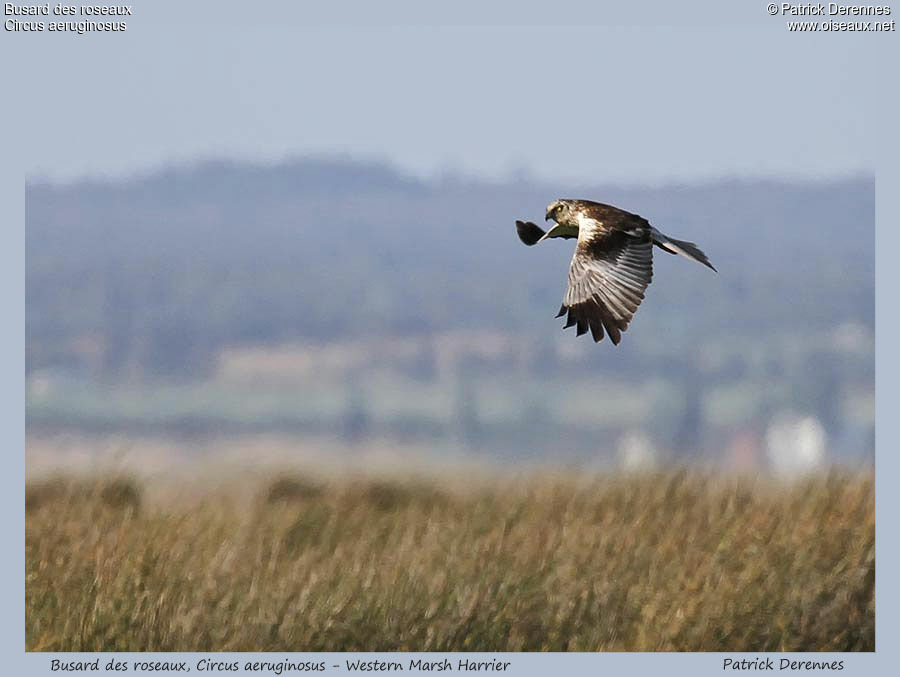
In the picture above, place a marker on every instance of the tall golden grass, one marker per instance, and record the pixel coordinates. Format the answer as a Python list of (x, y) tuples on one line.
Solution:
[(677, 561)]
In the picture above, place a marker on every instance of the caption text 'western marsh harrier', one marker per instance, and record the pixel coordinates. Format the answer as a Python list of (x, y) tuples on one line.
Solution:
[(612, 264)]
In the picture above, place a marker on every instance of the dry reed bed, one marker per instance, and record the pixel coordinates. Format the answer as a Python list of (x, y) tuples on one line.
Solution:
[(676, 561)]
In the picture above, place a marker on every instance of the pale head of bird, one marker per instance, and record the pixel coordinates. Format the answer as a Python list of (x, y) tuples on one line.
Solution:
[(559, 211)]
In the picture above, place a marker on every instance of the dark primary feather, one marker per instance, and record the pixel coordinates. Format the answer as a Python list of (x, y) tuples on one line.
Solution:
[(529, 232)]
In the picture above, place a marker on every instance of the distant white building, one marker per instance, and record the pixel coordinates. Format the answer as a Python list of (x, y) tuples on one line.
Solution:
[(636, 451), (795, 444), (852, 337)]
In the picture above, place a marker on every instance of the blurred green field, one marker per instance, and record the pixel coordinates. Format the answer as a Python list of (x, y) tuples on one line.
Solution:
[(388, 398), (680, 561)]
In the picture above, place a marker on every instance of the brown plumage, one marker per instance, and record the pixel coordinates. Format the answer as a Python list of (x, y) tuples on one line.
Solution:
[(612, 265)]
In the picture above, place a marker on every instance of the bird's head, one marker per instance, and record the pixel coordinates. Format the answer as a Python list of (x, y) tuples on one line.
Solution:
[(559, 211)]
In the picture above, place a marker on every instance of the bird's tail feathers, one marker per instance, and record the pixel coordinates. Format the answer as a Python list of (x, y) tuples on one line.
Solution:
[(687, 249)]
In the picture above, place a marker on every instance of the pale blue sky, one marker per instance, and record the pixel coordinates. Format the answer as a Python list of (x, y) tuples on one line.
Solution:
[(619, 102)]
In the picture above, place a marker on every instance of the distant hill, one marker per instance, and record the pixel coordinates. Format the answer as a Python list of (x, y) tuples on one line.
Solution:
[(183, 261)]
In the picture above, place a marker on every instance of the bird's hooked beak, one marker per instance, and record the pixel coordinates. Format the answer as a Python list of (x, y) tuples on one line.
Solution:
[(547, 217)]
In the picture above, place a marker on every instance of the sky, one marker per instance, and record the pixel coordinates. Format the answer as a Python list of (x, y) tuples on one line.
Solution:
[(617, 98)]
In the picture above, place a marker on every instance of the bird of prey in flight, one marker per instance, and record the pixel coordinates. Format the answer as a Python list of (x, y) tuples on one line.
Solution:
[(612, 264)]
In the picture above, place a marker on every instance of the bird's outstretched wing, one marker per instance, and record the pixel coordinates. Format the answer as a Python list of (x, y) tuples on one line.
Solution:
[(607, 280), (531, 233)]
